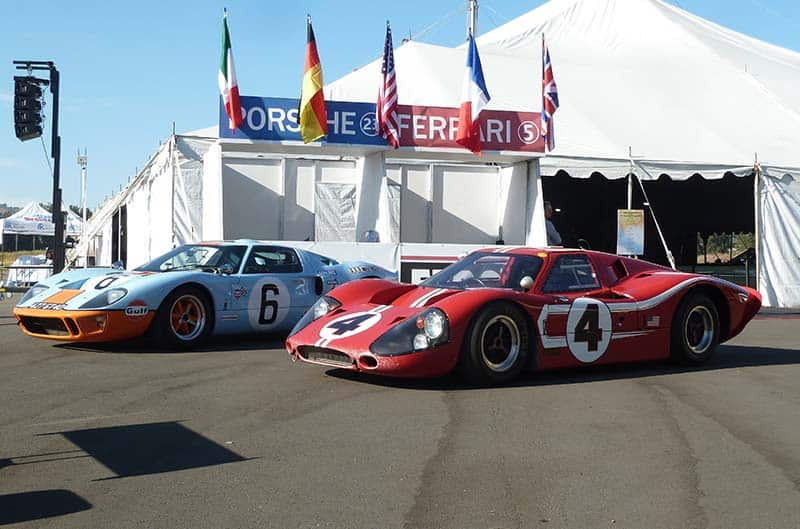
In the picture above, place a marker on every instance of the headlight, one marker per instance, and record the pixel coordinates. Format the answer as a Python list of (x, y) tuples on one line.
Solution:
[(428, 329), (106, 298), (35, 290), (323, 306)]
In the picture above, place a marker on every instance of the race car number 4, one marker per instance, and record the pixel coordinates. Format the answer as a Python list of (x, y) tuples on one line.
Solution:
[(349, 325), (588, 329)]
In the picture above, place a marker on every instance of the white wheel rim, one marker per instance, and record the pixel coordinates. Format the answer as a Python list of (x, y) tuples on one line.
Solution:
[(698, 330), (500, 343)]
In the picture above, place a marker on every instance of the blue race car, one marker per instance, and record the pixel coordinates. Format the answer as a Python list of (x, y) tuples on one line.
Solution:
[(188, 294)]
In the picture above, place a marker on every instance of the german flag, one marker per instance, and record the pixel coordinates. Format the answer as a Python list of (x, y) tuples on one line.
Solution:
[(312, 116)]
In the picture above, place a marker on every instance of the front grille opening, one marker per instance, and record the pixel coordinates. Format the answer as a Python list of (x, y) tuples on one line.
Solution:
[(73, 327), (48, 326), (324, 355)]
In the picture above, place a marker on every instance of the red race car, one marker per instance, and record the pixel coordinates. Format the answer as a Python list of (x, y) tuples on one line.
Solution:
[(497, 312)]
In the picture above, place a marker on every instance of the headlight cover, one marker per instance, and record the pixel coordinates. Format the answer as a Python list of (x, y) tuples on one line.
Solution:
[(108, 297), (35, 290), (320, 308), (427, 329)]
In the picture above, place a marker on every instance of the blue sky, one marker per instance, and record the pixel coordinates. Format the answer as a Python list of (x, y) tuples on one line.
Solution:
[(129, 69)]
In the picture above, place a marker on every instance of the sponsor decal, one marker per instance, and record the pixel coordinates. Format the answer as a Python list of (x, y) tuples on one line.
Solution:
[(239, 292), (137, 309), (43, 305), (362, 269), (353, 123)]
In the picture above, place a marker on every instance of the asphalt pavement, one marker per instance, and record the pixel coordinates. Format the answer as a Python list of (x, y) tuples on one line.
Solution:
[(237, 436)]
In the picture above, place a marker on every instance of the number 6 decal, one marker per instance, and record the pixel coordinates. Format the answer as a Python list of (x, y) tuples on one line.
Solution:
[(268, 305), (588, 329)]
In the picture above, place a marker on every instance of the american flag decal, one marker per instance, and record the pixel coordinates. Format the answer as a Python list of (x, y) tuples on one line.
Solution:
[(652, 321), (386, 108), (549, 98)]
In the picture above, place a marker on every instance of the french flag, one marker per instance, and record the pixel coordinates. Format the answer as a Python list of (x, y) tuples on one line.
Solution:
[(474, 97)]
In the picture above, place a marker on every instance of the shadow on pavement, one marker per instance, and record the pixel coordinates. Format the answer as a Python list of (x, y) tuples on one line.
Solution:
[(217, 344), (727, 357), (39, 504), (150, 448)]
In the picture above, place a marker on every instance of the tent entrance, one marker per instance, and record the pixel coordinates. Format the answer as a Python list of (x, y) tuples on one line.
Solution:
[(686, 209)]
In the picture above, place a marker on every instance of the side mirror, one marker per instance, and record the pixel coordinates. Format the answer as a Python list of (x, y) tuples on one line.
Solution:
[(226, 269), (118, 265), (526, 283)]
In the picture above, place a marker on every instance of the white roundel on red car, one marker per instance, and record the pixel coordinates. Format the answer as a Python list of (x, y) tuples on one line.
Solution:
[(588, 329), (349, 325)]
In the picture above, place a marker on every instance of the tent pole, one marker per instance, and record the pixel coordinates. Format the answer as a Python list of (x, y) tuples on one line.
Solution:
[(670, 258), (630, 178), (757, 208)]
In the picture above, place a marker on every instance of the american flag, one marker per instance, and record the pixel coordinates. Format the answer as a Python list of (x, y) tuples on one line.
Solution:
[(386, 109), (549, 98)]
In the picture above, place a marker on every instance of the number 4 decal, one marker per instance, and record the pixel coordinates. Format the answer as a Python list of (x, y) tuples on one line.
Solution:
[(349, 324), (588, 329)]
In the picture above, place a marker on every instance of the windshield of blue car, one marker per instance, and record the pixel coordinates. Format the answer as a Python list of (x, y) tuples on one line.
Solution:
[(487, 270), (204, 257)]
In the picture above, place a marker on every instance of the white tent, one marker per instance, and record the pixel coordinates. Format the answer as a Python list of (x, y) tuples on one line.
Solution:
[(33, 219), (642, 85)]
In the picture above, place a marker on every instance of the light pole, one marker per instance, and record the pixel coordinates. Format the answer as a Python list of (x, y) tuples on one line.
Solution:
[(82, 160)]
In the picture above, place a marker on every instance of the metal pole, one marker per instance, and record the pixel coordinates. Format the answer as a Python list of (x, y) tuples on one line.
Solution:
[(756, 185), (472, 19), (82, 160), (58, 218), (630, 179)]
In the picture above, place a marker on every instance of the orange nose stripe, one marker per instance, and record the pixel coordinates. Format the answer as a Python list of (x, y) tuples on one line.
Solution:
[(62, 296)]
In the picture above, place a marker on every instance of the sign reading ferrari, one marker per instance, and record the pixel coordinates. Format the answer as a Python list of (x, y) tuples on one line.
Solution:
[(275, 119)]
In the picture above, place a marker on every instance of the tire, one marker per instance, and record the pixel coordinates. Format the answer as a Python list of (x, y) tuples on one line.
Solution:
[(184, 320), (496, 346), (695, 330)]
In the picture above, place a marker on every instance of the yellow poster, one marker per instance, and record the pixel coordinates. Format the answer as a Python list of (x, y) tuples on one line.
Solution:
[(630, 231)]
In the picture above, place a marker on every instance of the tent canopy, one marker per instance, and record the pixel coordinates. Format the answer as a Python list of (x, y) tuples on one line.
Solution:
[(687, 95), (33, 219)]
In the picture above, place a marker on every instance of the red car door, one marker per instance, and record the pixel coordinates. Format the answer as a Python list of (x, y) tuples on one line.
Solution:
[(583, 321)]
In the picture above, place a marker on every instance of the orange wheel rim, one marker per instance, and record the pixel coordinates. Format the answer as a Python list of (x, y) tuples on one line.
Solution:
[(187, 317)]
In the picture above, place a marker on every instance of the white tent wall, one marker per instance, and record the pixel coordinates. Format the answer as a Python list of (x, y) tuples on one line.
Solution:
[(779, 236)]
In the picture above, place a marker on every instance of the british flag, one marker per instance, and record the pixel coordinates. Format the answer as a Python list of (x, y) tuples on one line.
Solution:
[(386, 109), (549, 98)]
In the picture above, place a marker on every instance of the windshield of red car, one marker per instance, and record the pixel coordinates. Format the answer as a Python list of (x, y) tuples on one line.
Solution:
[(196, 256), (487, 270)]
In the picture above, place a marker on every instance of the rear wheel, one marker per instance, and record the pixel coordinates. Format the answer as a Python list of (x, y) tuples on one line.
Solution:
[(495, 347), (695, 329), (184, 320)]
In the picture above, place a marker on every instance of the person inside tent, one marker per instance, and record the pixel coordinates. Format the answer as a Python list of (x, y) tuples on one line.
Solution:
[(553, 237)]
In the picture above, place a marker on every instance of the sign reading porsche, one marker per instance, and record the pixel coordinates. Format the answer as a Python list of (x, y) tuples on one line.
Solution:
[(275, 119)]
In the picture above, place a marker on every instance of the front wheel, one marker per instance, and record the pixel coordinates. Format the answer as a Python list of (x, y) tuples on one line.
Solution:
[(184, 319), (695, 330), (495, 347)]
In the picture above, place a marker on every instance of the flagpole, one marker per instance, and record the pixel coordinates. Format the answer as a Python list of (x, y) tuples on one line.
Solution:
[(472, 19)]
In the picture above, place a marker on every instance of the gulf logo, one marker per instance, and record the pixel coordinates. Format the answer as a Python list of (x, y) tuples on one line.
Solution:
[(136, 309)]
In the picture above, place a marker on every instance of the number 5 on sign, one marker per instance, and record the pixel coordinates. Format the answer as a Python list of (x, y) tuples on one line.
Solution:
[(588, 329)]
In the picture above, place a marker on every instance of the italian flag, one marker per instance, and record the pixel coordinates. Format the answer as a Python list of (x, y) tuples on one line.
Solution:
[(228, 87)]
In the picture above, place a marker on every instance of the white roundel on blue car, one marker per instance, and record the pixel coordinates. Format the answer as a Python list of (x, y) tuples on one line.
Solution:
[(588, 329), (268, 303)]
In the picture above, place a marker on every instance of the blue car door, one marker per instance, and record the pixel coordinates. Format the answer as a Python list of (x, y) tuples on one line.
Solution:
[(279, 290)]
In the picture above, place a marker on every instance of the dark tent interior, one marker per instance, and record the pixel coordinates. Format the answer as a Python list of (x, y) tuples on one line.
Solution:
[(588, 210)]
